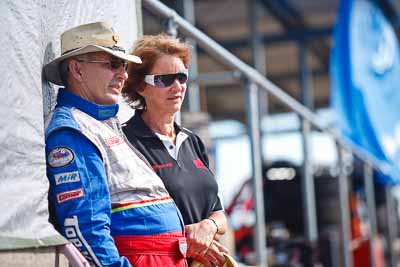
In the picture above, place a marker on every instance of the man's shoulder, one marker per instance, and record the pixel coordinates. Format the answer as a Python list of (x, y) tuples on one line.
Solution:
[(61, 118)]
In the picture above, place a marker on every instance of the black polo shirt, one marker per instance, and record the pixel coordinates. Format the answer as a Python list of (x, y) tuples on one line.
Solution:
[(188, 179)]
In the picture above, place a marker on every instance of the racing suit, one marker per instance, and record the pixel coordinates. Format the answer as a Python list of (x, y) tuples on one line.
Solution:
[(105, 199)]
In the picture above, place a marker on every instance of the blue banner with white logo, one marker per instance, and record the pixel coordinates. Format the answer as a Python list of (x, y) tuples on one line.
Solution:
[(365, 76)]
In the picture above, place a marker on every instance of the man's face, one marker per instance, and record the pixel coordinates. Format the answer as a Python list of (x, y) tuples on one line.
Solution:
[(102, 81)]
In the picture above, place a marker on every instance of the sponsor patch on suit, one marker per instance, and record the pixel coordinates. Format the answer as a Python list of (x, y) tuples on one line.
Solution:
[(60, 156), (114, 141), (68, 195), (67, 177)]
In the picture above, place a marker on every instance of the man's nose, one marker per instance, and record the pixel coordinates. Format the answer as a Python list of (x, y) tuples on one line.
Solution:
[(122, 73)]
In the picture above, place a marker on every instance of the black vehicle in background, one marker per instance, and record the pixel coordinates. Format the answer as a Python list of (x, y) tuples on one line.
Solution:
[(283, 204)]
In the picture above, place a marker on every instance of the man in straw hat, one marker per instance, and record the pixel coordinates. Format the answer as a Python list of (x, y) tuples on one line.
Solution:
[(104, 196)]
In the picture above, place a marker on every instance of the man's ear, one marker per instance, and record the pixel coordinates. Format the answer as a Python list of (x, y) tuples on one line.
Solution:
[(75, 69)]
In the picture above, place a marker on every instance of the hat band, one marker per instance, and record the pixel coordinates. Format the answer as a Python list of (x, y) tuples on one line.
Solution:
[(116, 48)]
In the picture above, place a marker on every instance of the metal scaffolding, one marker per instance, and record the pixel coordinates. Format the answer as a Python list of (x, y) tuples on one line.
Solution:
[(254, 80)]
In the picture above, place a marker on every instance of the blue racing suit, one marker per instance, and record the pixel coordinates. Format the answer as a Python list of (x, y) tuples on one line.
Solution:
[(100, 186)]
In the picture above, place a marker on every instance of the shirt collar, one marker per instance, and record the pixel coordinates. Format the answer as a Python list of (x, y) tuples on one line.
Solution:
[(173, 149), (141, 129), (99, 112)]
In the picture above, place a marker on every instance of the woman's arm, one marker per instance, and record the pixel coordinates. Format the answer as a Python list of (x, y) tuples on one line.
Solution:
[(201, 243), (221, 223), (202, 235)]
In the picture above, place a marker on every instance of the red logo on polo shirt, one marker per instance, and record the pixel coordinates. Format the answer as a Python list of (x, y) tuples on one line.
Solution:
[(162, 166), (199, 164)]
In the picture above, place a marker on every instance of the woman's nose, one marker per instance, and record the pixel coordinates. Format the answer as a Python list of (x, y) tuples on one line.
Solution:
[(176, 85)]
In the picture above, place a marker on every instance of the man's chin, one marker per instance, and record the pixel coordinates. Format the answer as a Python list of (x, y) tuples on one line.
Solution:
[(112, 99), (115, 90)]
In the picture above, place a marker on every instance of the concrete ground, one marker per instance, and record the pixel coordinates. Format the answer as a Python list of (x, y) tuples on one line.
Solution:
[(41, 257)]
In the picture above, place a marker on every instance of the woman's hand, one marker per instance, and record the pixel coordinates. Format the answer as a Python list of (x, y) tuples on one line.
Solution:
[(199, 237), (214, 253), (213, 256)]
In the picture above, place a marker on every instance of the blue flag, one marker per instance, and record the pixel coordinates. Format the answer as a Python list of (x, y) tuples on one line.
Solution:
[(365, 76)]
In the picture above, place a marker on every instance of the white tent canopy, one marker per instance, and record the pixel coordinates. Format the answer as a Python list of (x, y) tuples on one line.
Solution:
[(30, 33)]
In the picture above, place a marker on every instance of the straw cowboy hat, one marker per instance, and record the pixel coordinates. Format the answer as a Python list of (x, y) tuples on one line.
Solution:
[(87, 38)]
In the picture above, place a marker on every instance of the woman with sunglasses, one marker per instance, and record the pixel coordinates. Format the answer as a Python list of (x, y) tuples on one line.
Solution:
[(156, 89)]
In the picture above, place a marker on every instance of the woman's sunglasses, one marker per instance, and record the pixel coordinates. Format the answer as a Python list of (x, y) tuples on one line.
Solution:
[(166, 80)]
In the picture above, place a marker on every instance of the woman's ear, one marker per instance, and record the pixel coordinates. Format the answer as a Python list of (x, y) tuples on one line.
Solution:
[(142, 89)]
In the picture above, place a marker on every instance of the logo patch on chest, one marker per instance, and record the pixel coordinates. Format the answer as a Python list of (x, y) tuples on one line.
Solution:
[(199, 164), (162, 166), (114, 141)]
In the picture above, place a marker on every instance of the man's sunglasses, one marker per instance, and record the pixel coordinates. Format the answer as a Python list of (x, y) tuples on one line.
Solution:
[(111, 64), (166, 80)]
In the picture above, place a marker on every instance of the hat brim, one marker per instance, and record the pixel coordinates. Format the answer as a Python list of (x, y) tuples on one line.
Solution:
[(52, 72)]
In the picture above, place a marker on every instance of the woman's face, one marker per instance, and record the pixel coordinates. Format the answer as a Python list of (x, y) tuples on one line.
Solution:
[(165, 99)]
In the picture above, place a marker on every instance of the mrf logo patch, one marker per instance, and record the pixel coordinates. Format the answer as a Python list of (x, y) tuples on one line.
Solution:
[(60, 156), (67, 177)]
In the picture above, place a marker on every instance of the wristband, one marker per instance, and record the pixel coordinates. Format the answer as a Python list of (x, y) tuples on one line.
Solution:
[(215, 223)]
